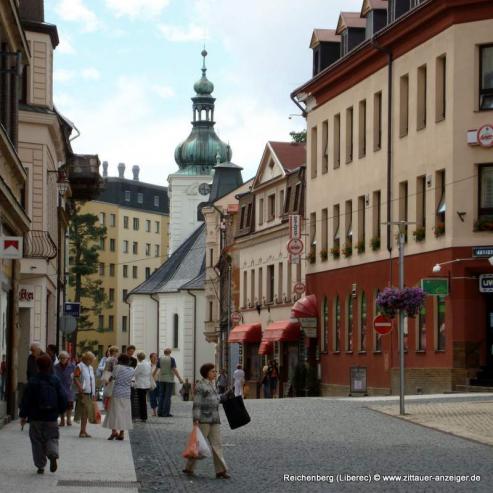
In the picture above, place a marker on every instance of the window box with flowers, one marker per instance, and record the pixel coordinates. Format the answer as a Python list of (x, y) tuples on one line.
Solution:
[(375, 243), (361, 246), (323, 254), (439, 230), (483, 225), (348, 250), (419, 234), (335, 252), (391, 300)]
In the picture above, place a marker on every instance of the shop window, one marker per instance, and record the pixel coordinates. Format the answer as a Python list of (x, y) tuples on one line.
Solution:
[(313, 152), (404, 106), (441, 88), (421, 330), (175, 330), (485, 209), (325, 147), (337, 324), (440, 323), (377, 121), (324, 330), (349, 323), (349, 135), (486, 78), (362, 322), (337, 141), (362, 129), (251, 361), (421, 98)]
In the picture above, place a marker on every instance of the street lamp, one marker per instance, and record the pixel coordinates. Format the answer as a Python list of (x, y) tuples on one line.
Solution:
[(438, 267)]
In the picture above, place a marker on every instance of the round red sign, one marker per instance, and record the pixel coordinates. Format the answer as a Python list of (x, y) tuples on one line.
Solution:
[(382, 324), (299, 288), (236, 317), (295, 246), (485, 136)]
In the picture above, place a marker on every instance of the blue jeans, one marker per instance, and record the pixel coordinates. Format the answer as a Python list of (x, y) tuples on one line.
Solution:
[(165, 393), (154, 395)]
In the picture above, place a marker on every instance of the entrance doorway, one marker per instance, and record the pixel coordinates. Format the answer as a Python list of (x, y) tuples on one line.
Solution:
[(489, 335)]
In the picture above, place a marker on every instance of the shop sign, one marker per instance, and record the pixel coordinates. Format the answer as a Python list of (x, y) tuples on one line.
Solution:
[(295, 246), (486, 283), (26, 296), (435, 286), (310, 332), (294, 226), (11, 247), (482, 251), (485, 136), (308, 322)]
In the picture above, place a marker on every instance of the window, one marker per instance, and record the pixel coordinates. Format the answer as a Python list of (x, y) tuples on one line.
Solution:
[(403, 205), (242, 216), (349, 323), (440, 325), (112, 219), (127, 196), (135, 248), (404, 106), (271, 207), (125, 271), (124, 323), (349, 224), (281, 201), (377, 209), (102, 218), (361, 224), (249, 215), (260, 286), (421, 330), (362, 129), (148, 272), (111, 295), (485, 209), (421, 110), (124, 294), (280, 282), (270, 283), (421, 203), (245, 281), (102, 243), (101, 322), (111, 323), (101, 269), (336, 239), (252, 286), (125, 246), (363, 315), (324, 332), (175, 330), (136, 224), (325, 147), (349, 135), (441, 88), (440, 199), (337, 324), (337, 140), (313, 235), (486, 78), (157, 227), (148, 226), (297, 198), (156, 250), (211, 307), (125, 222), (377, 121), (211, 257), (140, 198), (112, 270), (112, 244), (325, 238), (287, 202), (134, 272), (156, 200), (313, 152), (148, 249)]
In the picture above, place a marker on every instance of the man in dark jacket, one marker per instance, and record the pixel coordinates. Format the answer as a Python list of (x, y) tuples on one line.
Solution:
[(43, 401)]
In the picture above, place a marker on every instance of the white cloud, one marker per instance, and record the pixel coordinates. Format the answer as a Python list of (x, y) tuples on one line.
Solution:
[(178, 34), (65, 45), (77, 11), (62, 75), (136, 8), (91, 73), (164, 91)]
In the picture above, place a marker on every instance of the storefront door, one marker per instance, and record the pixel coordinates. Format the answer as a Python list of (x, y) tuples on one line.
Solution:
[(489, 333)]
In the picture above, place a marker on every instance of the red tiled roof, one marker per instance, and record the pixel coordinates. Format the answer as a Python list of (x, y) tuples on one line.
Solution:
[(350, 19), (291, 155), (324, 36)]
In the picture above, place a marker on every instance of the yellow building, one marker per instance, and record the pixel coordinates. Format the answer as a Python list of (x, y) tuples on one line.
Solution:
[(136, 216)]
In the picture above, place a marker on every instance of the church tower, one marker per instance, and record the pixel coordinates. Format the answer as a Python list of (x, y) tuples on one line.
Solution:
[(196, 157)]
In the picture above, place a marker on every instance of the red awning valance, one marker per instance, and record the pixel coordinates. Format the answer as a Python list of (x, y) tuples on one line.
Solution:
[(305, 307), (266, 347), (246, 333), (283, 331)]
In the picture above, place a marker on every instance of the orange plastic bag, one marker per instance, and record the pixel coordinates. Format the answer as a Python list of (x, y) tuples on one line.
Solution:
[(192, 449), (97, 414)]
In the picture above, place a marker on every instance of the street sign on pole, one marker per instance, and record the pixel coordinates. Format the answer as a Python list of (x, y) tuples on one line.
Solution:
[(68, 324), (295, 246), (294, 226), (299, 288), (382, 324), (72, 308)]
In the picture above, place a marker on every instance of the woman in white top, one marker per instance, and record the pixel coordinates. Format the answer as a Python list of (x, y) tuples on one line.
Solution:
[(86, 392), (143, 376), (239, 380)]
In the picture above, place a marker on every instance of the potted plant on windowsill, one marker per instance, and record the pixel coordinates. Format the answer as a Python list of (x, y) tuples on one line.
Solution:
[(439, 230), (483, 225), (375, 243), (419, 234), (348, 250), (323, 254), (361, 247), (335, 252), (390, 300)]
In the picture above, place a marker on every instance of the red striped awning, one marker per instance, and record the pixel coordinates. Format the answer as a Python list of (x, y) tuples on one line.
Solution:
[(249, 333), (283, 331), (305, 307), (266, 347)]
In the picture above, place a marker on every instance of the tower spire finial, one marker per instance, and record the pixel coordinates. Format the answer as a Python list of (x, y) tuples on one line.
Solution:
[(204, 68)]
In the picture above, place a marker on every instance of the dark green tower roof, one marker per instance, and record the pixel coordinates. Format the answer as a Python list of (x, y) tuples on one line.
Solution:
[(197, 154)]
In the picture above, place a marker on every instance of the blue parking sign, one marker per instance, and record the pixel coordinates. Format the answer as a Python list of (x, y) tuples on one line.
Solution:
[(72, 309)]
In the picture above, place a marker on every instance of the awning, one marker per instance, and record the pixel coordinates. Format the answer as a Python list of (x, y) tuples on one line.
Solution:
[(305, 307), (283, 331), (266, 347), (246, 333)]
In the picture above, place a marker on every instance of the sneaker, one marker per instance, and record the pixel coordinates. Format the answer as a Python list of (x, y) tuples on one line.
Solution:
[(40, 471), (53, 464)]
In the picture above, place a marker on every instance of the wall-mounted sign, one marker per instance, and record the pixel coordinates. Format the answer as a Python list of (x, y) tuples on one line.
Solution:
[(295, 246), (485, 136), (294, 259), (26, 296), (382, 324), (435, 286), (72, 309), (294, 226), (11, 247), (482, 251), (486, 283), (308, 322)]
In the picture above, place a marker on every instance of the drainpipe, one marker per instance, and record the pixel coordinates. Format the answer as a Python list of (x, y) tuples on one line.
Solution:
[(194, 332), (157, 323), (303, 112), (390, 60)]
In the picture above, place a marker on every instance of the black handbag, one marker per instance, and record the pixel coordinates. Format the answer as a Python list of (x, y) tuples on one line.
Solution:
[(236, 412)]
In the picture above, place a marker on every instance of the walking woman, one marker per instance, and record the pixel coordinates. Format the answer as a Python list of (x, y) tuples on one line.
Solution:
[(111, 362), (86, 392), (206, 416), (64, 370), (119, 417), (154, 394), (143, 378)]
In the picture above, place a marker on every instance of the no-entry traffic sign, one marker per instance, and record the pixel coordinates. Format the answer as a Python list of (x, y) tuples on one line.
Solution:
[(382, 324), (299, 288), (295, 246), (236, 317)]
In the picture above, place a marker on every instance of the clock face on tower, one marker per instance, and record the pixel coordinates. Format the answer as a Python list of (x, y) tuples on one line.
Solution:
[(204, 189)]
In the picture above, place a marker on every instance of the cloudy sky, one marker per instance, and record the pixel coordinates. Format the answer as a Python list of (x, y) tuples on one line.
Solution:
[(125, 69)]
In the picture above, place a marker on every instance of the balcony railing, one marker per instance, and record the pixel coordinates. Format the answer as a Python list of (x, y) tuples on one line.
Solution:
[(38, 244)]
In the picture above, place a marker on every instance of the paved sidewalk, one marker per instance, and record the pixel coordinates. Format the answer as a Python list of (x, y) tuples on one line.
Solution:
[(91, 460), (471, 419)]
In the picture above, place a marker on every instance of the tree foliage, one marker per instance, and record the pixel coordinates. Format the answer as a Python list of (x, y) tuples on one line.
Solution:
[(298, 137)]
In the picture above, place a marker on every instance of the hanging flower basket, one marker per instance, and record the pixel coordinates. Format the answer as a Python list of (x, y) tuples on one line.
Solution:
[(410, 300)]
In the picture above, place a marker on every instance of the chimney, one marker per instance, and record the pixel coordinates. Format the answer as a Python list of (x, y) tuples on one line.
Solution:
[(135, 171), (121, 170), (32, 10), (105, 169)]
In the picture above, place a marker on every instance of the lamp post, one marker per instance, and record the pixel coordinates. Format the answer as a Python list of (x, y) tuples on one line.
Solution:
[(438, 267)]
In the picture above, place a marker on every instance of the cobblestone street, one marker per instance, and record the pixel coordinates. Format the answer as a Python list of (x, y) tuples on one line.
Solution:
[(310, 436)]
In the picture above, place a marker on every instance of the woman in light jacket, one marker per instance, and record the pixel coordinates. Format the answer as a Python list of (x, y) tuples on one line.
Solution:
[(154, 394), (109, 366), (142, 378), (206, 416), (86, 392)]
